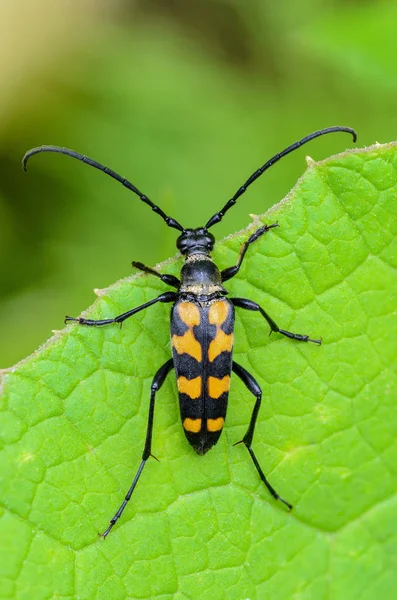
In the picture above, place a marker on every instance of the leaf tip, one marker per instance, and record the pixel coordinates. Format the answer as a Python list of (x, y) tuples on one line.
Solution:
[(255, 219), (309, 161), (99, 292)]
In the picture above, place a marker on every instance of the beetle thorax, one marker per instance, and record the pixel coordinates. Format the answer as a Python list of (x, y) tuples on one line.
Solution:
[(200, 276)]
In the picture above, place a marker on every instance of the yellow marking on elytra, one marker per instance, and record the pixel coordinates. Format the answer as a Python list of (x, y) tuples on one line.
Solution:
[(189, 313), (222, 342), (192, 425), (215, 424), (216, 387), (191, 387), (187, 344), (218, 313)]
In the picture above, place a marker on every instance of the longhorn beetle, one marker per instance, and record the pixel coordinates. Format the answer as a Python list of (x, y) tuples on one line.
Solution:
[(202, 324)]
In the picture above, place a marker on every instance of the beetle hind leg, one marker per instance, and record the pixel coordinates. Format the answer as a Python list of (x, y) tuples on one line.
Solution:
[(157, 382), (253, 386)]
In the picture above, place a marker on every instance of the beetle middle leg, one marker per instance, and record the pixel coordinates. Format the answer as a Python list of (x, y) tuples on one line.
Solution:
[(157, 382), (166, 297), (253, 386), (250, 305)]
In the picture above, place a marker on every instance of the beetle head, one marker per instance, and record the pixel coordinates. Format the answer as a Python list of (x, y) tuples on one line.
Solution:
[(193, 241)]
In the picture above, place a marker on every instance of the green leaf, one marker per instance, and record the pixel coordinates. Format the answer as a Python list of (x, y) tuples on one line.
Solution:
[(74, 416)]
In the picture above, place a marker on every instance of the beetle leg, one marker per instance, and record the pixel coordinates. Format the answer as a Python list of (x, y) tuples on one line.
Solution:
[(157, 382), (232, 271), (250, 305), (166, 297), (166, 278), (253, 386)]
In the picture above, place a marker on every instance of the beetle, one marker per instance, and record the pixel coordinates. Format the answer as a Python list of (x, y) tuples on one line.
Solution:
[(202, 324)]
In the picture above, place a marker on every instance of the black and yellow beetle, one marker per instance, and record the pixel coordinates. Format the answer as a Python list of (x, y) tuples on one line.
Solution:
[(202, 324)]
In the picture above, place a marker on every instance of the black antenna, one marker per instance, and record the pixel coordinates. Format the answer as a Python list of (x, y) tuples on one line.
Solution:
[(85, 159), (217, 217)]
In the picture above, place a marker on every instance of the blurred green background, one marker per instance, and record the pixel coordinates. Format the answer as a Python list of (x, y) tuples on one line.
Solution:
[(186, 99)]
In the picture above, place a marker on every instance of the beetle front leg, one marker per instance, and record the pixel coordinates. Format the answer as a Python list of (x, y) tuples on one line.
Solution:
[(230, 272), (165, 278)]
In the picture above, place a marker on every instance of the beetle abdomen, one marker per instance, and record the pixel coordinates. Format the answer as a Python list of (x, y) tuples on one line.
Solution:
[(202, 345)]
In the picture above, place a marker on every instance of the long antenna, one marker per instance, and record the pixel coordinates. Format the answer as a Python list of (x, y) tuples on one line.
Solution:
[(217, 217), (85, 159)]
